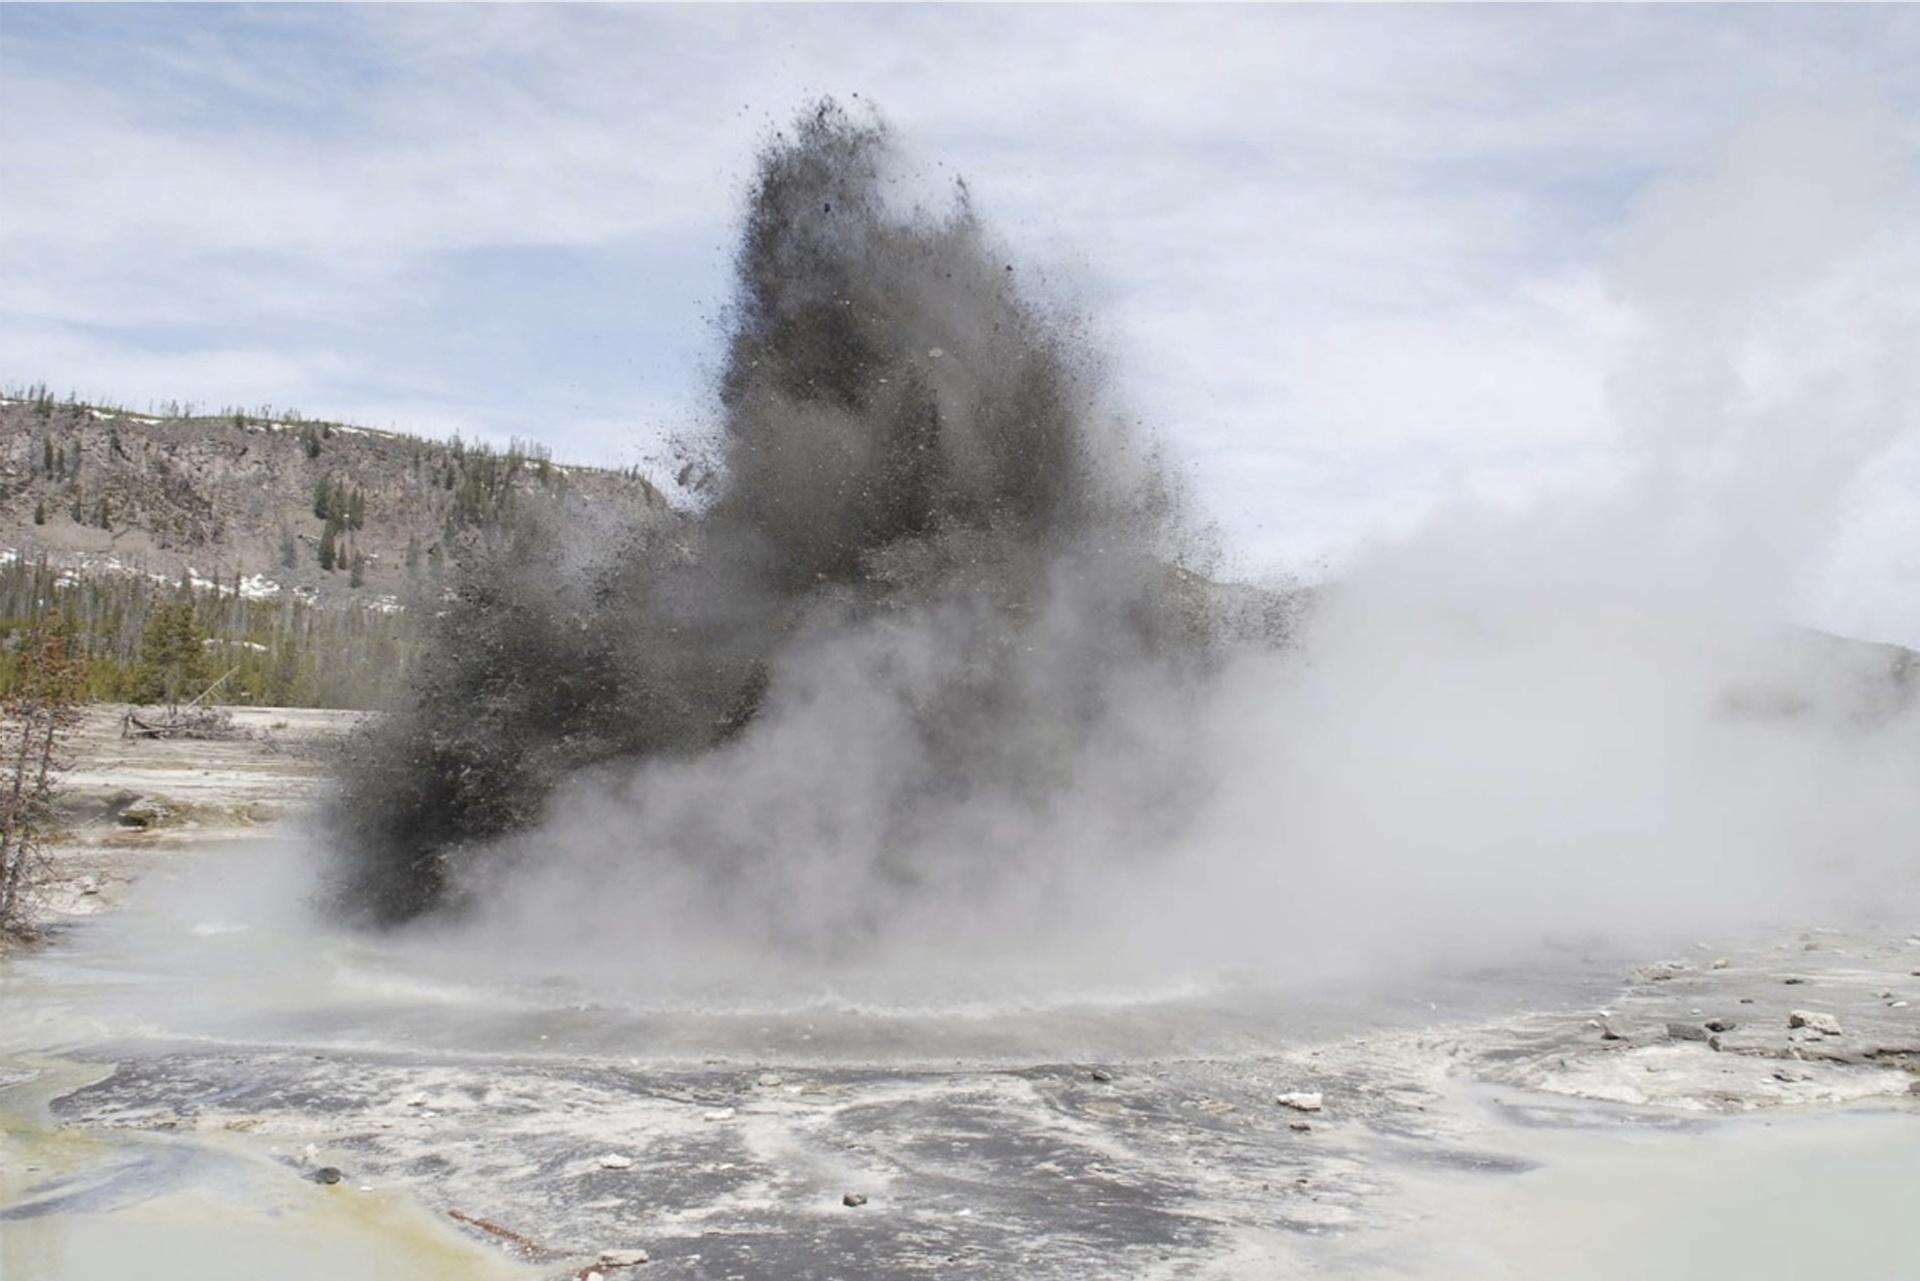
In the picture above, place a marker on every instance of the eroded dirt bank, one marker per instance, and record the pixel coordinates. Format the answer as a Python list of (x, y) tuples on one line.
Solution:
[(195, 1069)]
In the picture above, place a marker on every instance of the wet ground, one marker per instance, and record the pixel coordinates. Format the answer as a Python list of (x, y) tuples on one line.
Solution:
[(181, 1071), (205, 1084)]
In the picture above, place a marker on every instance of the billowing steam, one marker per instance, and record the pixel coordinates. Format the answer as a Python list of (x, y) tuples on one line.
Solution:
[(931, 677)]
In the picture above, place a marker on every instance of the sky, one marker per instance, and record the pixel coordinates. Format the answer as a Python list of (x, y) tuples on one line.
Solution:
[(1353, 266)]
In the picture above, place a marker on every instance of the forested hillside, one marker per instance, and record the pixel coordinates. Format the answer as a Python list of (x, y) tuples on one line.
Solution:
[(291, 557)]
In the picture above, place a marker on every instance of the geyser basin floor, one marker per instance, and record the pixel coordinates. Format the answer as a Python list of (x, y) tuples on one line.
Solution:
[(231, 1048), (1787, 1197)]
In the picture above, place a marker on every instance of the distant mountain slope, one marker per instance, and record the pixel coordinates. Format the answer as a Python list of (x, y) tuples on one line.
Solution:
[(242, 498)]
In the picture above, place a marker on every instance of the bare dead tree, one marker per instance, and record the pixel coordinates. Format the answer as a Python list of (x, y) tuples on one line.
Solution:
[(34, 723)]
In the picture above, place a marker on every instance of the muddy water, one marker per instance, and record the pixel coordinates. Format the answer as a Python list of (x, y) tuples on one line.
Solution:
[(216, 978), (84, 1204), (215, 998), (76, 1205), (224, 949)]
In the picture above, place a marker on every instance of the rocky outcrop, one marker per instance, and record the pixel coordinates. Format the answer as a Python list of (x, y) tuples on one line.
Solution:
[(236, 497)]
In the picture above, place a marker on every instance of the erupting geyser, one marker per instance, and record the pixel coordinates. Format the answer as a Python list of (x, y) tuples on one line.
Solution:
[(935, 578), (929, 678)]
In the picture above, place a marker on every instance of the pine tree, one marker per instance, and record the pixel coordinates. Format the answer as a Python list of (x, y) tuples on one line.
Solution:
[(322, 499), (288, 554), (327, 546), (46, 455), (284, 674), (358, 576), (40, 512), (357, 509), (172, 656)]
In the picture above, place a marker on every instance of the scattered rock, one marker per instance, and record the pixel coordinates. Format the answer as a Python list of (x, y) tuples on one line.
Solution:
[(1913, 1087), (1299, 1126), (1746, 1000), (854, 1200), (1607, 1033), (1824, 1024), (1301, 1100), (770, 1079), (623, 1258), (1101, 1074), (1795, 982), (1721, 963), (1720, 1025), (615, 1161), (717, 1114), (143, 814), (89, 885), (1686, 1032), (326, 1174)]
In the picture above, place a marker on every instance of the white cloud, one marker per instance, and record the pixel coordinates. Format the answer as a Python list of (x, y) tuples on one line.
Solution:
[(1353, 262)]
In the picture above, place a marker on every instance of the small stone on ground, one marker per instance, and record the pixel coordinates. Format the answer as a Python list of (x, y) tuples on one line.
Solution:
[(623, 1258), (1825, 1024)]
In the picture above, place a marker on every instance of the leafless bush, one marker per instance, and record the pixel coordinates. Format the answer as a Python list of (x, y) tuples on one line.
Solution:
[(34, 722)]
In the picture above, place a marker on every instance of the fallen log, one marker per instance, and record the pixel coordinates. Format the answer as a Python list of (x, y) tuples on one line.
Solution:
[(524, 1244), (205, 723)]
